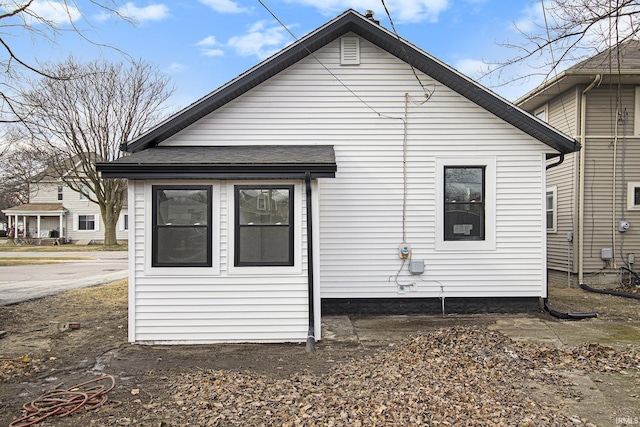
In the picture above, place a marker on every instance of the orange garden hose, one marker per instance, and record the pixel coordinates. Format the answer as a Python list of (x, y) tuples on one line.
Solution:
[(82, 397)]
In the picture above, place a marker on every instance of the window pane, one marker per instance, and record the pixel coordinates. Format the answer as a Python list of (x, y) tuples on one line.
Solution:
[(549, 201), (263, 226), (182, 245), (181, 229), (463, 185), (86, 222), (264, 245), (464, 203), (636, 196), (550, 220), (182, 207), (464, 222), (264, 206)]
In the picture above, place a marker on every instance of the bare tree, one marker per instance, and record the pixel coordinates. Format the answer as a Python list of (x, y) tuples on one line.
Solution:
[(41, 22), (568, 31), (18, 166), (83, 119)]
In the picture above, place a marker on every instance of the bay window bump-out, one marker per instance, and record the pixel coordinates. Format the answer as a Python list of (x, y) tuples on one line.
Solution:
[(181, 226), (264, 225)]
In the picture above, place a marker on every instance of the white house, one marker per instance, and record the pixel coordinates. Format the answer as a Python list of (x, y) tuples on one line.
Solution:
[(351, 172), (55, 211)]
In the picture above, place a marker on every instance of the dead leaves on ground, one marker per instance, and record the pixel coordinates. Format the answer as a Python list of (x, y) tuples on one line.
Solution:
[(454, 376)]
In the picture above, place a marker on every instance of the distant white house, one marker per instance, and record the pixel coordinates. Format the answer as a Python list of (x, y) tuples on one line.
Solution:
[(352, 172), (55, 211)]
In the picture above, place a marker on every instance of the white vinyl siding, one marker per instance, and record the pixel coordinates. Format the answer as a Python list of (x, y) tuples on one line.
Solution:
[(361, 209), (221, 303)]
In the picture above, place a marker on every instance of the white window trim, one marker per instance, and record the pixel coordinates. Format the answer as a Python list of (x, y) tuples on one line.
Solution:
[(554, 190), (76, 223), (631, 186), (636, 112), (297, 228), (214, 270), (544, 109), (121, 222), (489, 242)]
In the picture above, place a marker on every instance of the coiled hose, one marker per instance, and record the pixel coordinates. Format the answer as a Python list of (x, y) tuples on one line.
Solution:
[(82, 397)]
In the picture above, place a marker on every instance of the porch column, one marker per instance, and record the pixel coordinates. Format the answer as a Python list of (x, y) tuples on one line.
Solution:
[(60, 228), (24, 226), (39, 230)]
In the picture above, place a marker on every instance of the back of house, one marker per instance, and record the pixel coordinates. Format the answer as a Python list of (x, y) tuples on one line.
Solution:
[(350, 173)]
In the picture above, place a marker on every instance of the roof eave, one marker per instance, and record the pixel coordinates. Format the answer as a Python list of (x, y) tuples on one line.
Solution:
[(216, 171)]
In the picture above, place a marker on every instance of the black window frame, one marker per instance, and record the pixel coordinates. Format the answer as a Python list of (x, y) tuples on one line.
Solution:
[(60, 192), (83, 221), (237, 247), (451, 237), (156, 227)]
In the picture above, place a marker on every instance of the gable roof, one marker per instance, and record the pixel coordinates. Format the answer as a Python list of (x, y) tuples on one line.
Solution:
[(619, 63), (352, 21)]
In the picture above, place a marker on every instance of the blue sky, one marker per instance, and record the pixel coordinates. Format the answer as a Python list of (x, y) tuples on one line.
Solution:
[(202, 44)]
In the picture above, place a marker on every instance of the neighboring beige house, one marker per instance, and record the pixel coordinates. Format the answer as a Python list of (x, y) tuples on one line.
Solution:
[(56, 212), (593, 197)]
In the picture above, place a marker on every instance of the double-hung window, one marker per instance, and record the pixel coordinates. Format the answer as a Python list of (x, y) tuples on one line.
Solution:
[(182, 235), (464, 203), (264, 225), (86, 222), (551, 209)]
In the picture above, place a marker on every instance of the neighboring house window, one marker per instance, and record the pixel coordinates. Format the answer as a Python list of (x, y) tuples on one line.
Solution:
[(264, 225), (182, 235), (633, 196), (85, 189), (86, 222), (464, 203), (541, 113), (123, 223), (59, 192), (551, 209)]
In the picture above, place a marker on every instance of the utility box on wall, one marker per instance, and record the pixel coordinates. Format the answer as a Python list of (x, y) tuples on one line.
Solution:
[(416, 266)]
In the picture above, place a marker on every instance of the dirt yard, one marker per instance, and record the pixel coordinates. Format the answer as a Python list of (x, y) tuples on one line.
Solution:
[(455, 372)]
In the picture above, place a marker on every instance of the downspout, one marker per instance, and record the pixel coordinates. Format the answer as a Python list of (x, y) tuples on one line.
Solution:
[(547, 307), (583, 140), (311, 339)]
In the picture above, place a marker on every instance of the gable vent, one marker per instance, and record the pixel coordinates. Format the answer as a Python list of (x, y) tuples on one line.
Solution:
[(350, 51)]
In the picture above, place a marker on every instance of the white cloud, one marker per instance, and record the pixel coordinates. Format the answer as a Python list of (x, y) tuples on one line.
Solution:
[(208, 42), (473, 68), (209, 46), (56, 12), (532, 19), (224, 6), (402, 11), (176, 68), (153, 12), (260, 40)]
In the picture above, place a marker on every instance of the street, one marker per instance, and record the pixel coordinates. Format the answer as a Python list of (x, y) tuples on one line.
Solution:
[(25, 282)]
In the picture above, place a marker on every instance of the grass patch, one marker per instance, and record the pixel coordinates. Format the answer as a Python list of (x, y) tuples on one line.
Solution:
[(11, 261)]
